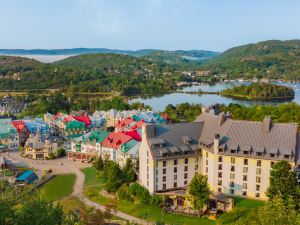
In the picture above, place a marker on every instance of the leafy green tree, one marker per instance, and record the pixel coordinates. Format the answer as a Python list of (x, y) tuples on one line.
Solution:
[(99, 163), (60, 152), (129, 172), (198, 191), (114, 175), (279, 212), (283, 182)]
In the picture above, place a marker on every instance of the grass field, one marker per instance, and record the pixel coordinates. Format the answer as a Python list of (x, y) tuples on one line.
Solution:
[(59, 187)]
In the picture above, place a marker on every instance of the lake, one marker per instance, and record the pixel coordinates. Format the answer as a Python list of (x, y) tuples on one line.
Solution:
[(159, 103)]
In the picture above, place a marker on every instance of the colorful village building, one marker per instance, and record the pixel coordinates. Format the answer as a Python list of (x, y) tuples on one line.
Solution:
[(9, 138), (87, 146), (36, 147), (22, 130)]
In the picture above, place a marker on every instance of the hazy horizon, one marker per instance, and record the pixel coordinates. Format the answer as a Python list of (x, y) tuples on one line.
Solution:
[(148, 24)]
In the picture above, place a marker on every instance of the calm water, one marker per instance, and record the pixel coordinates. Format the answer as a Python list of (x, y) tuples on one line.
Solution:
[(159, 103)]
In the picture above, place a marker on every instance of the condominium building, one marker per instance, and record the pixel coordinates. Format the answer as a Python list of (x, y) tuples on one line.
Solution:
[(237, 156), (169, 155)]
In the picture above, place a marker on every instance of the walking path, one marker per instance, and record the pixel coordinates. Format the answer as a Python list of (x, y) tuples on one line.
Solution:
[(62, 166)]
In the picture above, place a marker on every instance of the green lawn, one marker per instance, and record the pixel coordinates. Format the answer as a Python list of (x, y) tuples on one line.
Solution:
[(59, 187), (91, 178)]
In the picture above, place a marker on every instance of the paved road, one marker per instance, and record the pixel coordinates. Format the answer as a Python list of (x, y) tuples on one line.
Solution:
[(62, 166)]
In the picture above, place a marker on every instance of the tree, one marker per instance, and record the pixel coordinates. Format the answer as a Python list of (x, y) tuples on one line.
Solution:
[(199, 191), (60, 152), (279, 212), (283, 182), (129, 172), (99, 164), (114, 175)]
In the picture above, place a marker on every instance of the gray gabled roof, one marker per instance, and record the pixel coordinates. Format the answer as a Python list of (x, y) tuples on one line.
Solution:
[(174, 136)]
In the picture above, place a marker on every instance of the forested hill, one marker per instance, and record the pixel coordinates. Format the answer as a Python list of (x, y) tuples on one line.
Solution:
[(269, 59), (93, 73), (173, 57)]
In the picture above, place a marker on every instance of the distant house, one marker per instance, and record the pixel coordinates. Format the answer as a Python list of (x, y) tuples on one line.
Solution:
[(22, 130), (9, 138), (38, 148), (27, 177)]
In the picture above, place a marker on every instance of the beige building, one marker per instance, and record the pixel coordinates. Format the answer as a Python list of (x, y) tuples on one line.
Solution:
[(36, 148), (236, 156), (169, 156)]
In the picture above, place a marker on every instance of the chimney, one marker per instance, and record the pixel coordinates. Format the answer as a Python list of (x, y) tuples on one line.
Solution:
[(267, 124), (216, 143), (148, 130)]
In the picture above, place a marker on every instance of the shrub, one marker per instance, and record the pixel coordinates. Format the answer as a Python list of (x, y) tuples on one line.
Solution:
[(156, 200), (141, 193), (60, 152), (51, 155), (123, 193)]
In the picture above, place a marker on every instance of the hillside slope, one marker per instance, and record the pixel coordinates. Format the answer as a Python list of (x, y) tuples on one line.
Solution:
[(269, 59), (97, 73)]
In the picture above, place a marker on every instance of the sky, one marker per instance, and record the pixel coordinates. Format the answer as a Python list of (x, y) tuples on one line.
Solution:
[(214, 25)]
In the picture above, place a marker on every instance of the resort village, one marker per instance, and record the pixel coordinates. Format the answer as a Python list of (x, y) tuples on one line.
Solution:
[(235, 156)]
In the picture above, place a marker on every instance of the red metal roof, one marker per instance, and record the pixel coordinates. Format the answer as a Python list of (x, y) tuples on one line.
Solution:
[(19, 125), (123, 123), (138, 125), (134, 134), (114, 140), (84, 118)]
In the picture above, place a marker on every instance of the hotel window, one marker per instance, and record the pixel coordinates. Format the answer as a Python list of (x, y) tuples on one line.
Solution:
[(175, 161), (147, 153), (257, 195), (232, 159), (147, 161), (231, 184), (164, 179), (272, 163), (164, 171), (156, 187), (245, 161), (175, 184), (258, 171), (245, 170), (206, 162), (220, 174), (220, 182), (244, 185), (196, 167), (156, 171), (147, 175), (186, 160), (232, 168), (206, 169), (156, 179), (196, 159), (185, 182), (164, 186), (244, 193), (220, 159), (232, 191), (220, 167), (258, 163), (258, 187), (175, 169), (245, 177), (206, 153), (164, 163), (186, 168), (185, 176), (232, 176), (219, 190), (147, 183), (175, 177), (257, 179)]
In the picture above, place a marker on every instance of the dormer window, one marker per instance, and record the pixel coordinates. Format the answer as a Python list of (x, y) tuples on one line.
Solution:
[(258, 153), (233, 151), (272, 155), (287, 156)]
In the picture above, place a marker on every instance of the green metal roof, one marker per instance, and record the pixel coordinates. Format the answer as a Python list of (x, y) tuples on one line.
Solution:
[(128, 145), (6, 128), (98, 135), (75, 124)]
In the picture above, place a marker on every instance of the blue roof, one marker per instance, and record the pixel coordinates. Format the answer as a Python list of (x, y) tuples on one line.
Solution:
[(28, 176)]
